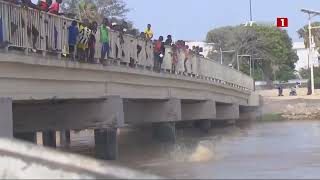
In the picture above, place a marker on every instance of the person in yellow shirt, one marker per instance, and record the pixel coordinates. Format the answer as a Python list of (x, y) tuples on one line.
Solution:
[(148, 32)]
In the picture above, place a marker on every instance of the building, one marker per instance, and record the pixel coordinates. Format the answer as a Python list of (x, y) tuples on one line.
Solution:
[(302, 53)]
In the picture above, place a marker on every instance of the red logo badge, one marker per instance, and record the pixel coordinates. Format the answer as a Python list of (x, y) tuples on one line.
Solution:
[(282, 22)]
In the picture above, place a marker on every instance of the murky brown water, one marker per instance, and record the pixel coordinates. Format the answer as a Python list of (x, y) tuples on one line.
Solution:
[(288, 149)]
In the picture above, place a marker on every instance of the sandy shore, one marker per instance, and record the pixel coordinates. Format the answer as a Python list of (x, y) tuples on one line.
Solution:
[(291, 107)]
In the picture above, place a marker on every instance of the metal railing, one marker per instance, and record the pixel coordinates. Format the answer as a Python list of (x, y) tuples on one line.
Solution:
[(33, 29)]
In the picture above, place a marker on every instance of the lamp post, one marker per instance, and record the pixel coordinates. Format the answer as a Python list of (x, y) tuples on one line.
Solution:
[(250, 10), (311, 14), (221, 53), (250, 62)]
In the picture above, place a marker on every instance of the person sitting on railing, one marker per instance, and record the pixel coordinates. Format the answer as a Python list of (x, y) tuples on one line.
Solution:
[(44, 4), (55, 7), (73, 35), (29, 3), (174, 57), (148, 32), (187, 55), (83, 38), (92, 42), (168, 41), (104, 39), (159, 51)]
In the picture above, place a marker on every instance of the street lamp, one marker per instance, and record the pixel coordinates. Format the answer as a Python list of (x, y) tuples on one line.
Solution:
[(245, 55), (250, 10), (311, 14)]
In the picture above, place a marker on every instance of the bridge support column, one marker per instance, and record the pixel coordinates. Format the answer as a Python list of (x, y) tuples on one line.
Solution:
[(106, 143), (205, 125), (6, 118), (164, 131), (49, 139), (27, 136), (65, 138)]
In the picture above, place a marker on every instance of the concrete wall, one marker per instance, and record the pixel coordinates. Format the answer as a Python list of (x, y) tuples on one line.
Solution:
[(6, 121), (29, 78)]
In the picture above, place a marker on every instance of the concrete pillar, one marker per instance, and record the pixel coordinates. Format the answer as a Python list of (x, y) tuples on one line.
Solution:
[(49, 139), (27, 136), (6, 118), (196, 110), (205, 125), (65, 138), (106, 142), (164, 131)]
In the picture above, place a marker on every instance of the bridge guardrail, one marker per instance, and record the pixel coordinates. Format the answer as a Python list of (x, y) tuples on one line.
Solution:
[(33, 29)]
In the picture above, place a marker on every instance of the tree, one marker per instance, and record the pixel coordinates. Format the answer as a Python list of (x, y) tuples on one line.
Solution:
[(271, 45), (304, 34), (95, 8)]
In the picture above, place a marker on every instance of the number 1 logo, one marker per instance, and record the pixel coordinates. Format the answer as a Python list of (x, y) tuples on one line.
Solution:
[(282, 22)]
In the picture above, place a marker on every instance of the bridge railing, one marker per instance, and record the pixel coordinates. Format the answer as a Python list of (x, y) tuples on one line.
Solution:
[(33, 29)]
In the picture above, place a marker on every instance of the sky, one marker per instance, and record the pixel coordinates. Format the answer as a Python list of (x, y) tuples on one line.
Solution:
[(192, 19)]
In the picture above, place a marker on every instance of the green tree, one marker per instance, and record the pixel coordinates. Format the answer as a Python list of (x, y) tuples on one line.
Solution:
[(270, 46), (304, 34), (95, 8)]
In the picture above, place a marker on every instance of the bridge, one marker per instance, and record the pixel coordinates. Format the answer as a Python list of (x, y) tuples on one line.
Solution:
[(47, 92)]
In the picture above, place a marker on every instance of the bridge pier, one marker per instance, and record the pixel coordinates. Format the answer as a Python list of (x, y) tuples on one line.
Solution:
[(49, 138), (6, 118), (205, 125), (106, 143), (164, 131), (65, 138)]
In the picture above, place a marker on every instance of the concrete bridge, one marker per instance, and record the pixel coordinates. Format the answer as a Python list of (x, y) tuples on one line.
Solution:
[(48, 93)]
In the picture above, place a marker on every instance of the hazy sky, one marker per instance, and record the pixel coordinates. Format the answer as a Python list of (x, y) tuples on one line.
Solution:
[(191, 19)]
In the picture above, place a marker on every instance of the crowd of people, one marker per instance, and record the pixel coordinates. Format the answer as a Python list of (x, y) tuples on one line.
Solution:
[(82, 38)]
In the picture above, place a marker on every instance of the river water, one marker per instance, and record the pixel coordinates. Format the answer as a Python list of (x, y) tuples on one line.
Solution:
[(284, 149)]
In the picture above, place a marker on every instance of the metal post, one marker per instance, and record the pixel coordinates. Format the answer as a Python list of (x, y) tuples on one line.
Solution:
[(238, 62), (309, 56), (250, 10), (221, 58), (250, 66)]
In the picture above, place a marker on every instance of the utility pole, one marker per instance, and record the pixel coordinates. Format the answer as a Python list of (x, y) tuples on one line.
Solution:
[(311, 14), (250, 10)]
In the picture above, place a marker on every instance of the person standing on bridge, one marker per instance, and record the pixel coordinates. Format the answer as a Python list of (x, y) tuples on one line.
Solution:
[(104, 39), (159, 51), (148, 32), (72, 41)]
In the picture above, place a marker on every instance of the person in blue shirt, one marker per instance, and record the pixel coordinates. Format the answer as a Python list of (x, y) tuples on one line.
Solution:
[(73, 35)]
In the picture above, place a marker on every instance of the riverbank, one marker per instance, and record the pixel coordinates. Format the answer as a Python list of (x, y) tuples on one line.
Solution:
[(290, 107)]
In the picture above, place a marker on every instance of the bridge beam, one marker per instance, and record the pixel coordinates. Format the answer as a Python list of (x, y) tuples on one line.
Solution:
[(60, 115), (152, 111), (227, 111), (6, 119), (198, 110)]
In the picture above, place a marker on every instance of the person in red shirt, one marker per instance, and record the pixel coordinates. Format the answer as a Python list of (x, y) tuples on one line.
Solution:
[(55, 7), (159, 51)]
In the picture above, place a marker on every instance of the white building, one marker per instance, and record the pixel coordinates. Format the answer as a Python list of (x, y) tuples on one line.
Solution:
[(302, 53), (206, 47)]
